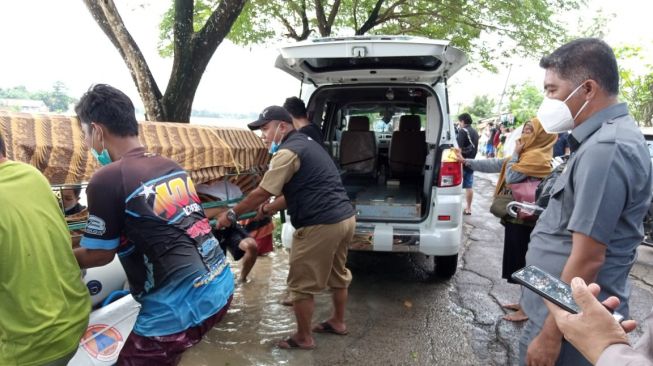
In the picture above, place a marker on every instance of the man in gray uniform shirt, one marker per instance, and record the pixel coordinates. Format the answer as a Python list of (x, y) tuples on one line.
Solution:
[(593, 223)]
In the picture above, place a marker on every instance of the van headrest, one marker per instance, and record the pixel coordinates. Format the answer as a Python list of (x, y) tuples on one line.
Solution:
[(410, 122), (359, 123)]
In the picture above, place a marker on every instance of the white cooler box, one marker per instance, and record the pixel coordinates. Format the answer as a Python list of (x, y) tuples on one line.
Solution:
[(107, 332)]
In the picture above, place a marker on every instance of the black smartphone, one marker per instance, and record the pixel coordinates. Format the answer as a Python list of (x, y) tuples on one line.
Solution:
[(551, 288)]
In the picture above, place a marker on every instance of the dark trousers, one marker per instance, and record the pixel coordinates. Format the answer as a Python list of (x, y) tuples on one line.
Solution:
[(515, 245)]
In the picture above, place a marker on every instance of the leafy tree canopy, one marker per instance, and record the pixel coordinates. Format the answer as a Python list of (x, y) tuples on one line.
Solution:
[(636, 88), (485, 29), (482, 107), (524, 100)]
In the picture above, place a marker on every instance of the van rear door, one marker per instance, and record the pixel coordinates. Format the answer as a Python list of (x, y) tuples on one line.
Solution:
[(366, 59)]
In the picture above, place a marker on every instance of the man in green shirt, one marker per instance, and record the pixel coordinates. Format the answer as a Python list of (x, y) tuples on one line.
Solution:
[(44, 305)]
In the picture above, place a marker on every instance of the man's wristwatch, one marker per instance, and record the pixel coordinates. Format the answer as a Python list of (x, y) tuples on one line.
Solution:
[(231, 215)]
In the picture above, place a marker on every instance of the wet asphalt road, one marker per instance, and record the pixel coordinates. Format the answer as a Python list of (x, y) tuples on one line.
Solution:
[(396, 314)]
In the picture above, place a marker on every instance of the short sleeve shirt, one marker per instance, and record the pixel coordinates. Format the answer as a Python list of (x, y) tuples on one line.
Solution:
[(283, 166), (146, 207), (604, 193), (44, 306)]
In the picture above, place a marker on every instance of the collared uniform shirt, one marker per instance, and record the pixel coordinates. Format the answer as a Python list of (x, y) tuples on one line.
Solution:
[(603, 193), (283, 166)]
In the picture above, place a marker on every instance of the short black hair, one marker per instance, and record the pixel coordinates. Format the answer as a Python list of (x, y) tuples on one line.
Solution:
[(465, 117), (3, 147), (77, 191), (295, 107), (109, 107), (585, 58)]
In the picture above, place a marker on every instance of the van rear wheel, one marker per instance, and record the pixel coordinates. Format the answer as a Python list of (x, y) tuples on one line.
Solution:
[(445, 266)]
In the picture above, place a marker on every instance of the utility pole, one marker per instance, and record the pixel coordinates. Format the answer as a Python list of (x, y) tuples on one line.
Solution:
[(505, 85)]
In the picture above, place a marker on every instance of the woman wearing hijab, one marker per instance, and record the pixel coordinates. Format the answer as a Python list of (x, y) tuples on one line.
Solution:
[(531, 159)]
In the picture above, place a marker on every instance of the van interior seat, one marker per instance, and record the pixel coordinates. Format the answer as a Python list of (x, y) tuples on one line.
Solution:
[(358, 147), (407, 148)]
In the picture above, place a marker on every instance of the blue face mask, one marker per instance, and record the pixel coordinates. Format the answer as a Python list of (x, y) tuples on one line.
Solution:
[(274, 146), (103, 158)]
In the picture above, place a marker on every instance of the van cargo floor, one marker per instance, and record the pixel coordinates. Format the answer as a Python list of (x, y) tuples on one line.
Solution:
[(388, 202)]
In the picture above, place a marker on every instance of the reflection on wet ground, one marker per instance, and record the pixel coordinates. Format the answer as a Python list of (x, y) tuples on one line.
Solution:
[(257, 320)]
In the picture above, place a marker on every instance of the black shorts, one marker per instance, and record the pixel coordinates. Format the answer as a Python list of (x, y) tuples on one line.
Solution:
[(230, 238)]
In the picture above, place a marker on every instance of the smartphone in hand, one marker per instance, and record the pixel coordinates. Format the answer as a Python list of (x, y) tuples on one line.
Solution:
[(551, 288)]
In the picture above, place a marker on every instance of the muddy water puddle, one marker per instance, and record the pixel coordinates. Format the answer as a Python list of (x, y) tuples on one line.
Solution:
[(255, 321)]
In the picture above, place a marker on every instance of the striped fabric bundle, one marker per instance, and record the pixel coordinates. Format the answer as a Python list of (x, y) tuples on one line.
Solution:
[(54, 145)]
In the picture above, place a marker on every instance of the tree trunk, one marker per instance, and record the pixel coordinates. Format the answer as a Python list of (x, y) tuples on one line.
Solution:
[(192, 53)]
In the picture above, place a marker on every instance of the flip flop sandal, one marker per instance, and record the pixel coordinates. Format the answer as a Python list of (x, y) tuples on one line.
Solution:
[(290, 343), (325, 327), (514, 307), (515, 319)]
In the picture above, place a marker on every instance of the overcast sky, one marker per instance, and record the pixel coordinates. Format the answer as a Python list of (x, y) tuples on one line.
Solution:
[(44, 41)]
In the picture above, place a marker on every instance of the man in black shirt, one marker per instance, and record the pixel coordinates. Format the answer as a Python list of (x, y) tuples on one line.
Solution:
[(297, 110), (468, 142)]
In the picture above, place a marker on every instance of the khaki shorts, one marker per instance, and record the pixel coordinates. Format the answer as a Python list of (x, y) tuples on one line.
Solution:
[(318, 258)]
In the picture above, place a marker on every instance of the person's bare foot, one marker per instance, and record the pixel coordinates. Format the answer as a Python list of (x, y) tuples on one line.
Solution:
[(517, 316)]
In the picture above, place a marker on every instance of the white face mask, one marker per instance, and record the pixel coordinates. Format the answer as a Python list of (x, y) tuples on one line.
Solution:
[(555, 115)]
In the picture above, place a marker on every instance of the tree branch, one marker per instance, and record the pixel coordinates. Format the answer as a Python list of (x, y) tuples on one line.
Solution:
[(193, 51), (355, 16), (218, 25), (305, 24), (332, 15), (321, 18), (300, 10), (371, 19), (389, 11), (182, 27), (107, 17)]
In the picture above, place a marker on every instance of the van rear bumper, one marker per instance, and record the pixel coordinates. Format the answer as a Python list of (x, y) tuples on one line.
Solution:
[(440, 234), (385, 238)]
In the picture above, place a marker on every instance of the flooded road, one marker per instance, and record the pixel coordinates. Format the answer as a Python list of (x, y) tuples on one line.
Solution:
[(393, 314), (396, 315)]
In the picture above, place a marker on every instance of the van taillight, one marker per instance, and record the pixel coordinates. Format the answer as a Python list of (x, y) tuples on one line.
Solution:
[(451, 174)]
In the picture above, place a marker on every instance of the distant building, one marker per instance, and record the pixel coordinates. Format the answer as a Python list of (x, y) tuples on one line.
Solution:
[(23, 105)]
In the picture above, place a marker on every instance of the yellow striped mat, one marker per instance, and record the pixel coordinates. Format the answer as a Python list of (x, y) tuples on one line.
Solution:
[(54, 144)]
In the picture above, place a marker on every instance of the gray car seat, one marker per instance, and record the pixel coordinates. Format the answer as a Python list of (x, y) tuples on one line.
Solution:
[(358, 147), (407, 148)]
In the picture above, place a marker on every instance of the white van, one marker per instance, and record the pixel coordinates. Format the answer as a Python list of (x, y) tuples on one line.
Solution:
[(381, 102)]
